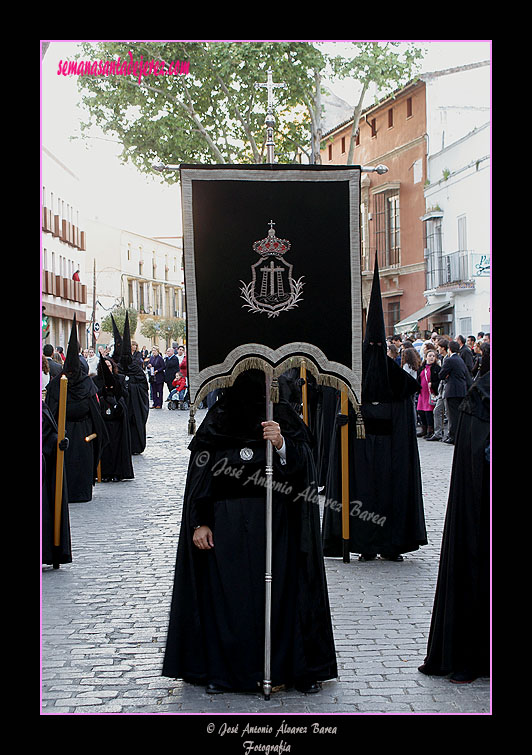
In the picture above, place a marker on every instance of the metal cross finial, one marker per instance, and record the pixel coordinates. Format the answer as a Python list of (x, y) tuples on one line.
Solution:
[(270, 120)]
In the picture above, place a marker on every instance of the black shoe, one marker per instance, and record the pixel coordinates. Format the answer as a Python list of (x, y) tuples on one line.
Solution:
[(367, 557), (309, 688), (433, 437), (426, 670), (392, 557), (463, 677), (450, 441), (214, 689)]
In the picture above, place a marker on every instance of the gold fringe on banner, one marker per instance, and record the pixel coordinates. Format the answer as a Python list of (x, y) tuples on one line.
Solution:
[(256, 363)]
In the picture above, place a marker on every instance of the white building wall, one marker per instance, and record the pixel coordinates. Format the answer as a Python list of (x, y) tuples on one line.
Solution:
[(457, 103), (463, 196), (132, 270), (61, 192)]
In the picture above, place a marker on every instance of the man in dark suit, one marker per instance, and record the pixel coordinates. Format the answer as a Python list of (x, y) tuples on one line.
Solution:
[(55, 367), (457, 379), (466, 353), (171, 366)]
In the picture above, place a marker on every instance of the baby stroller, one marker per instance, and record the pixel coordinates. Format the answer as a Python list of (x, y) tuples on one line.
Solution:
[(179, 399)]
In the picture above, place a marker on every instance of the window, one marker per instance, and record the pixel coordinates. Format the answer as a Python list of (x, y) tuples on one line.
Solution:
[(390, 118), (394, 315), (373, 126), (409, 107), (330, 151), (387, 227), (357, 140), (432, 230), (462, 233), (343, 145)]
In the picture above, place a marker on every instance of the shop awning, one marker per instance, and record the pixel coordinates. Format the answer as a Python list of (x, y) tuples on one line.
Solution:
[(410, 322)]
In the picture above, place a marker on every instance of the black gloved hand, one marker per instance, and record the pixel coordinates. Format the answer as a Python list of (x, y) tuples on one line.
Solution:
[(342, 419), (63, 444)]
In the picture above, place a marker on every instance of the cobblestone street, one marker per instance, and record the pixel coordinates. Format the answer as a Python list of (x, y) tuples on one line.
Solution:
[(104, 616)]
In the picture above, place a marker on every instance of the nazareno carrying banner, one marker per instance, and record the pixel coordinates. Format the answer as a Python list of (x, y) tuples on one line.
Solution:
[(272, 273)]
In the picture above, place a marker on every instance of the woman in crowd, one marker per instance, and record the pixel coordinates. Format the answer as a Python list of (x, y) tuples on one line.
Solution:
[(429, 382)]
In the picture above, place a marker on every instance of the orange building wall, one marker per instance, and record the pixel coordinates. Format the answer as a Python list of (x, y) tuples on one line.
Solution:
[(398, 147)]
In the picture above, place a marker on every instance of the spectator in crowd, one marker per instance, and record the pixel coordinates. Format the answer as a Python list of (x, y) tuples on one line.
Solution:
[(156, 377), (429, 381), (393, 353), (171, 367), (136, 354), (54, 367), (466, 353), (439, 413), (92, 360), (457, 382)]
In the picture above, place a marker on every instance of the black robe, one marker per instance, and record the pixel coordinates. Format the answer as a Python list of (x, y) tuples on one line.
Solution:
[(459, 637), (51, 554), (82, 419), (116, 463), (326, 411), (138, 403), (385, 493), (216, 628)]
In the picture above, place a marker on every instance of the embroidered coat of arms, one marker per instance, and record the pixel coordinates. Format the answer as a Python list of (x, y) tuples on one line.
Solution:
[(272, 288)]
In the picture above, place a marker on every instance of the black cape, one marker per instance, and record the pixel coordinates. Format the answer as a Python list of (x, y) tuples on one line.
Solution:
[(116, 463), (137, 392), (385, 494), (326, 410), (51, 554), (82, 419), (459, 637), (216, 628)]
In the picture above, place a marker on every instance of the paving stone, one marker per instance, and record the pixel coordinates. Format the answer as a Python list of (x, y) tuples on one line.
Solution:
[(104, 616)]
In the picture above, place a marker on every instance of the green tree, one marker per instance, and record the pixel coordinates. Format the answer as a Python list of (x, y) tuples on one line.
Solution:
[(119, 316), (384, 64), (169, 329), (215, 113)]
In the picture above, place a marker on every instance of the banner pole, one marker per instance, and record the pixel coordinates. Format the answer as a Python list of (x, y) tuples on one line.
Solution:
[(304, 393), (61, 421), (267, 683), (344, 438)]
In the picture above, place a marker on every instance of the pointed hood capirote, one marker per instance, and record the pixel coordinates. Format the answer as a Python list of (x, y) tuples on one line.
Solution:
[(375, 383), (72, 365), (125, 356), (383, 380), (117, 338)]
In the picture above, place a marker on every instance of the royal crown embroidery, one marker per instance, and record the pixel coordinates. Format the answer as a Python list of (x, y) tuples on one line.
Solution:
[(272, 288)]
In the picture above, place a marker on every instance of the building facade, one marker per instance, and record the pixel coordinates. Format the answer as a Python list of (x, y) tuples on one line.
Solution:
[(433, 136), (63, 253), (134, 271), (457, 235), (392, 132)]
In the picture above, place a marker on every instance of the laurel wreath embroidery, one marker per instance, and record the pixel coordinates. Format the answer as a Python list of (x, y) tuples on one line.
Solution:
[(297, 295)]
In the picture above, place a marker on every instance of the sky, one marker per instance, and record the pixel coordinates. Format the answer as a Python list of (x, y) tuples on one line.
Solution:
[(121, 196)]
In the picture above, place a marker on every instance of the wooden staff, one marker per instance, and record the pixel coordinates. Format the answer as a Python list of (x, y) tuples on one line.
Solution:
[(304, 394), (344, 439), (61, 421), (99, 471)]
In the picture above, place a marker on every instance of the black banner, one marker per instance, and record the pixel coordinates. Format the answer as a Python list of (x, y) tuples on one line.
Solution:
[(272, 272)]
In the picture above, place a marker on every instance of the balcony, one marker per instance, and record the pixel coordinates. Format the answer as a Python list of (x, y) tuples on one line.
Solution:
[(65, 288), (454, 270), (63, 230)]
